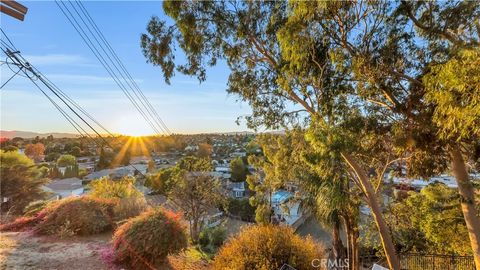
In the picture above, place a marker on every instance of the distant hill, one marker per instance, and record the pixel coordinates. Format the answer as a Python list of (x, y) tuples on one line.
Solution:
[(29, 134)]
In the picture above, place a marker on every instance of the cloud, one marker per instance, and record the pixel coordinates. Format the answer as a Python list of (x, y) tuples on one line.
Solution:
[(58, 59)]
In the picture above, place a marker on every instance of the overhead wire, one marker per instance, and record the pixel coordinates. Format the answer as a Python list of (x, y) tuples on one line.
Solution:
[(116, 63), (99, 32), (17, 58), (79, 29)]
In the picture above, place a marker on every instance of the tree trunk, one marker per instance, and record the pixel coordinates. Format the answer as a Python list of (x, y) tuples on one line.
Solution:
[(372, 202), (195, 231), (352, 238), (467, 193), (337, 242)]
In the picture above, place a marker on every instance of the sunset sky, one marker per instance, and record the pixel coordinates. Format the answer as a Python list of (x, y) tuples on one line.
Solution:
[(49, 42)]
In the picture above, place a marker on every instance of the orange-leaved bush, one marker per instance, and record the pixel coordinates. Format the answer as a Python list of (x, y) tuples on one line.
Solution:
[(266, 247), (79, 215), (145, 241)]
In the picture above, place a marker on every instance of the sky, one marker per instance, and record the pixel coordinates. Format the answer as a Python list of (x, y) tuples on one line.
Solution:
[(48, 41)]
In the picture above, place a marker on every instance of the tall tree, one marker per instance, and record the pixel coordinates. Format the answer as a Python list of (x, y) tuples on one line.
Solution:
[(239, 170), (303, 63)]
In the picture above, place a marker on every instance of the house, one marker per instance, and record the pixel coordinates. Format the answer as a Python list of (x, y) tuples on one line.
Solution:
[(286, 210), (238, 154), (63, 188), (223, 169), (237, 189)]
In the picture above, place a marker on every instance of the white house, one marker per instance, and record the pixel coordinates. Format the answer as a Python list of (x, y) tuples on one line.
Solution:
[(64, 188)]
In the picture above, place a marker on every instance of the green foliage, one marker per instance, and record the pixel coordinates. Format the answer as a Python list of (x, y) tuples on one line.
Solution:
[(129, 201), (267, 247), (430, 221), (241, 208), (66, 160), (239, 170), (21, 181), (9, 159), (10, 148), (163, 180), (195, 164), (454, 88), (81, 215), (114, 189), (76, 151), (150, 237), (212, 238)]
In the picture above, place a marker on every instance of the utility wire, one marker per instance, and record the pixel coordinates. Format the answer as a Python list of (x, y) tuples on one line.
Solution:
[(99, 32), (77, 26), (129, 83), (26, 66)]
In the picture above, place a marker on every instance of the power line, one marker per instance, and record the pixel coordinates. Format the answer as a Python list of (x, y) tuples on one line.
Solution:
[(99, 32), (142, 104), (20, 61), (105, 64)]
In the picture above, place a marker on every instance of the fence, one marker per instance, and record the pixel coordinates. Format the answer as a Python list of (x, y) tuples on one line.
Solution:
[(436, 262), (415, 261)]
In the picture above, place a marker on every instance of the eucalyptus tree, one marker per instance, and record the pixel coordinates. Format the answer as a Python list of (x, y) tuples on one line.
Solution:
[(351, 70)]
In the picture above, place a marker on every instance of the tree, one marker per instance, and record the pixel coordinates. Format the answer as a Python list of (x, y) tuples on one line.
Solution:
[(10, 148), (430, 221), (268, 247), (104, 161), (76, 151), (165, 179), (204, 150), (239, 170), (35, 151), (66, 161), (325, 183), (162, 181), (21, 181), (195, 164), (311, 62), (195, 194)]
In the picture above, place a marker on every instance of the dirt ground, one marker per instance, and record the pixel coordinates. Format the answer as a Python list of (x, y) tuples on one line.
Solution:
[(22, 250)]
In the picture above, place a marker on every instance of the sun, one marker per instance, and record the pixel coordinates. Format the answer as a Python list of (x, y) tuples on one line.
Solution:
[(131, 125)]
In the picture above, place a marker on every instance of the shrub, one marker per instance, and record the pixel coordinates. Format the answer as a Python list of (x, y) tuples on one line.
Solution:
[(129, 207), (146, 240), (35, 207), (109, 189), (241, 208), (129, 201), (19, 224), (203, 238), (267, 247), (217, 236), (212, 237), (82, 215)]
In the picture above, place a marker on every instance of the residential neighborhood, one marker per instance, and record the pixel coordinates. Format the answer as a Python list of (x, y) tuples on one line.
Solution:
[(240, 135)]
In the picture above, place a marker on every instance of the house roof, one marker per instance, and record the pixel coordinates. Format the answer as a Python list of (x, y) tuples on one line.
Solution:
[(65, 184)]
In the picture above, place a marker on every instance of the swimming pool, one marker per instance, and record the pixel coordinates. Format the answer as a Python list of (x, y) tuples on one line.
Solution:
[(281, 196)]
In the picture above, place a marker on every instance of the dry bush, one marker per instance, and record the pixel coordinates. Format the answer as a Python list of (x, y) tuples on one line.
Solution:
[(82, 215), (267, 247), (145, 241)]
